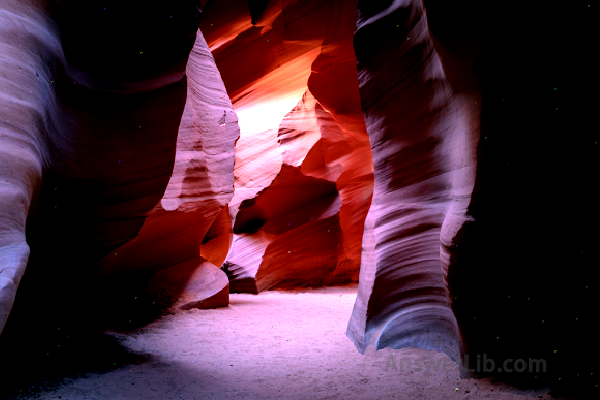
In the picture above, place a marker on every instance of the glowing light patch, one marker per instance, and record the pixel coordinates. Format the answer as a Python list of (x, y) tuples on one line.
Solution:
[(265, 115)]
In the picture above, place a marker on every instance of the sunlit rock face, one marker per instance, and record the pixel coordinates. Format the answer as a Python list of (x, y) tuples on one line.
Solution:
[(303, 172), (199, 189), (423, 157)]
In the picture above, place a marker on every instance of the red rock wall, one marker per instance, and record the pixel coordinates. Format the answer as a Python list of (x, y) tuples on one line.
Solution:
[(97, 130), (200, 187), (303, 175), (103, 152)]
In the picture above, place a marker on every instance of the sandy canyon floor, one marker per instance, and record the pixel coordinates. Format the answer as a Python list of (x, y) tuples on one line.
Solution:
[(275, 345)]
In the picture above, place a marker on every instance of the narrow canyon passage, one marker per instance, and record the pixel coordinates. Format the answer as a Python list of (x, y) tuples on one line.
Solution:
[(295, 199), (267, 346)]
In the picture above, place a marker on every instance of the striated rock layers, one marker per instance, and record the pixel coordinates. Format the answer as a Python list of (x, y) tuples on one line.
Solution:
[(199, 189), (303, 171), (422, 141), (23, 113), (530, 256), (105, 158)]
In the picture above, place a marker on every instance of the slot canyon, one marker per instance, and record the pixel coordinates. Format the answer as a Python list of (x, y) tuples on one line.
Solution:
[(298, 199)]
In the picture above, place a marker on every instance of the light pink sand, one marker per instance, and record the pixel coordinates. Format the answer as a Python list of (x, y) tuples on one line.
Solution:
[(275, 345)]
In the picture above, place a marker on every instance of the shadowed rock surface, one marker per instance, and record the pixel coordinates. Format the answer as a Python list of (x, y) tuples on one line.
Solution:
[(423, 160), (123, 153), (499, 240), (200, 187)]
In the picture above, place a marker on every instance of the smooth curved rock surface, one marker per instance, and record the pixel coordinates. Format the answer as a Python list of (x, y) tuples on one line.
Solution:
[(101, 133), (424, 166), (530, 250), (199, 189), (205, 286), (290, 230), (457, 62), (277, 54), (104, 156), (217, 240), (28, 44)]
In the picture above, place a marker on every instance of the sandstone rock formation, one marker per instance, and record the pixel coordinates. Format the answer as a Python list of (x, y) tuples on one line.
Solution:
[(423, 158), (98, 118), (498, 286), (22, 148), (194, 284), (526, 258), (120, 159), (303, 169), (199, 189)]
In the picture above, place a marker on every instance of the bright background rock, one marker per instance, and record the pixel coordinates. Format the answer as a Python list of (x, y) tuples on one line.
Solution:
[(290, 72)]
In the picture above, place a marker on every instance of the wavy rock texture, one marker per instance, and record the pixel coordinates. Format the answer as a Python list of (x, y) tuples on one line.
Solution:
[(25, 101), (199, 189), (114, 162), (204, 285), (423, 157), (530, 256), (303, 168), (459, 73), (106, 112), (217, 240)]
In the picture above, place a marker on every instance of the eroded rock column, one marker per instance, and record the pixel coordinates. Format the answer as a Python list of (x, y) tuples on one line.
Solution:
[(423, 169), (201, 186), (104, 96), (27, 44)]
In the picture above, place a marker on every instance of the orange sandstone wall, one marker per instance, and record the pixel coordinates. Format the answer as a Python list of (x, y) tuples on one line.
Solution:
[(303, 171)]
